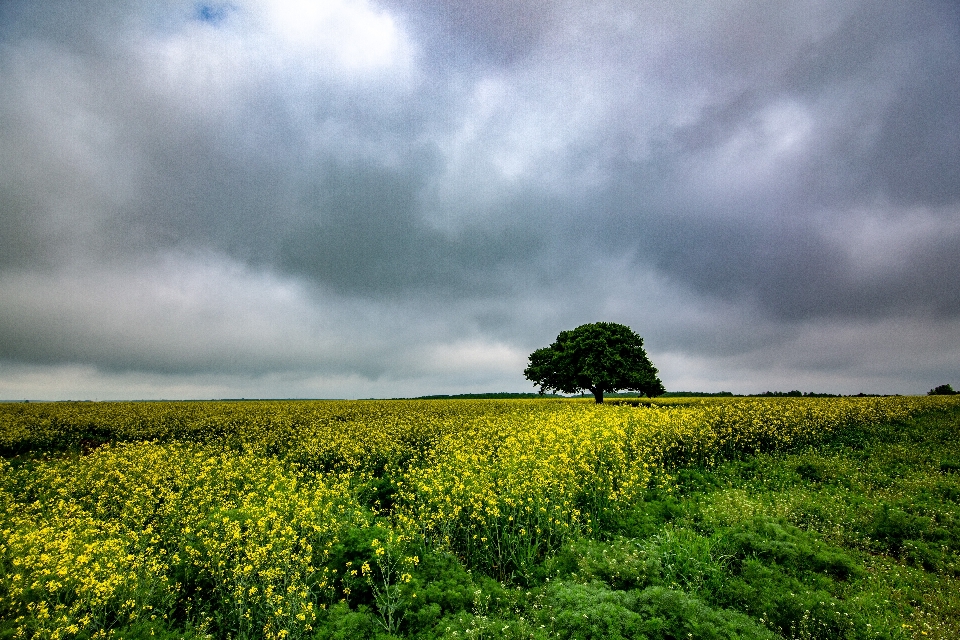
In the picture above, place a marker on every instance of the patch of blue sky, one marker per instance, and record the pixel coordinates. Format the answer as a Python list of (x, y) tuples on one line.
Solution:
[(213, 13)]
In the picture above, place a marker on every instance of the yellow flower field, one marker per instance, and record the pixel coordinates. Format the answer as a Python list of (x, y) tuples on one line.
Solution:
[(233, 516)]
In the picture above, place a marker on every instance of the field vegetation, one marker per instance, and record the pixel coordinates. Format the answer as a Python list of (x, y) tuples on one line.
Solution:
[(551, 518)]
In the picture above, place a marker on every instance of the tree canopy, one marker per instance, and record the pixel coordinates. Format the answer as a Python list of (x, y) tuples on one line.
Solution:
[(600, 357)]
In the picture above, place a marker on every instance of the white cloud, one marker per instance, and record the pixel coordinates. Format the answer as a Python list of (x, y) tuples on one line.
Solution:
[(84, 382), (351, 34), (262, 45), (477, 356), (198, 312)]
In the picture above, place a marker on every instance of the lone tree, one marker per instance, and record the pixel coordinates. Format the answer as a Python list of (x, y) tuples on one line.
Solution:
[(601, 357)]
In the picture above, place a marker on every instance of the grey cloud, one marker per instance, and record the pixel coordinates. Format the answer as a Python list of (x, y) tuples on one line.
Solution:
[(366, 237), (468, 33), (708, 172), (788, 268), (895, 64), (881, 118)]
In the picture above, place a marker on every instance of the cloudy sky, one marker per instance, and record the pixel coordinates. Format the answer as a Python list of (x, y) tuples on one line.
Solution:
[(379, 198)]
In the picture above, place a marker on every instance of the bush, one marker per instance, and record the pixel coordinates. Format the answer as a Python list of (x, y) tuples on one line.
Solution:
[(343, 623), (788, 547), (442, 586), (588, 611)]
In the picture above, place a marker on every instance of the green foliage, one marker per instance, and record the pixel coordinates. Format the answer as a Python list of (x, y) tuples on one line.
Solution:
[(341, 622), (646, 518), (673, 614), (795, 551), (594, 611), (856, 537), (812, 472), (950, 465), (443, 587), (600, 357)]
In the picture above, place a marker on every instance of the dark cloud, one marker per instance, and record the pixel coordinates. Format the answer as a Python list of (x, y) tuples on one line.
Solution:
[(415, 195), (367, 239)]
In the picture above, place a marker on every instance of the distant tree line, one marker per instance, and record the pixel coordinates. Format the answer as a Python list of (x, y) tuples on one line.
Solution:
[(503, 395), (766, 394), (675, 394), (942, 390), (797, 394), (698, 394)]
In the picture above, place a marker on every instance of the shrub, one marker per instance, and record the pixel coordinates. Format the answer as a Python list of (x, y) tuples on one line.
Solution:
[(588, 611)]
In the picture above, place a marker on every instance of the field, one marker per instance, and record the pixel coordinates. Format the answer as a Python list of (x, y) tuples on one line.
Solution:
[(699, 518)]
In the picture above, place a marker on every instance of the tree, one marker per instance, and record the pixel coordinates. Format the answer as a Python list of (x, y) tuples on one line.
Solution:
[(600, 357), (942, 390)]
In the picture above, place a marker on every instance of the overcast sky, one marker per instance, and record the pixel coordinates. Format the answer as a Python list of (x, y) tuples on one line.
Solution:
[(379, 198)]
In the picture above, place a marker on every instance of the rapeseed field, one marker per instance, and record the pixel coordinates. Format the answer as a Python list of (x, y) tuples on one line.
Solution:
[(298, 519)]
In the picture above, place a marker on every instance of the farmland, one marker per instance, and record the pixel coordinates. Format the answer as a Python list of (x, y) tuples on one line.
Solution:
[(765, 518)]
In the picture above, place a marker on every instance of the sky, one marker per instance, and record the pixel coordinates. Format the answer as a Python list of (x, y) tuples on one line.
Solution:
[(389, 198)]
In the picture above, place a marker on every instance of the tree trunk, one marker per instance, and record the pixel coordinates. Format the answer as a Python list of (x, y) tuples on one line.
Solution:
[(597, 394)]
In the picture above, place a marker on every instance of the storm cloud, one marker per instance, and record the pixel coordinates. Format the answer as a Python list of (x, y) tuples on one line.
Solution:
[(354, 198)]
